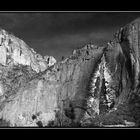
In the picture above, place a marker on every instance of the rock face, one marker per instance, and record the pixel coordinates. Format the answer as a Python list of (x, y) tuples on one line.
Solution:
[(14, 51), (95, 86), (115, 85), (18, 66)]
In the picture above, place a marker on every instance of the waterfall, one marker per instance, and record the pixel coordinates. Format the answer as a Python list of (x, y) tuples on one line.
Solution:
[(101, 93)]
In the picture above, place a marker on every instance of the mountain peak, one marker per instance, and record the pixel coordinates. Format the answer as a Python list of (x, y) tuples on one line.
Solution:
[(14, 51)]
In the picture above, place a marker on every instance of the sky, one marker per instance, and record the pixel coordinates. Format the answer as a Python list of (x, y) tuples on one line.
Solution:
[(59, 33)]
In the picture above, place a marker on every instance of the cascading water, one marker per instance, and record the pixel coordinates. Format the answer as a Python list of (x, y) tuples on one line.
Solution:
[(102, 95)]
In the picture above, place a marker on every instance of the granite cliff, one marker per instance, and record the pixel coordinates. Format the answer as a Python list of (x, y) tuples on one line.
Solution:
[(95, 86)]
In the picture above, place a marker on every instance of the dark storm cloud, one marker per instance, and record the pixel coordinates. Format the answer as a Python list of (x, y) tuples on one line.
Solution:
[(59, 33), (63, 45), (44, 24), (52, 24)]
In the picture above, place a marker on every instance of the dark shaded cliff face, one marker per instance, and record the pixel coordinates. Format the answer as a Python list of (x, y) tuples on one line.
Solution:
[(95, 86)]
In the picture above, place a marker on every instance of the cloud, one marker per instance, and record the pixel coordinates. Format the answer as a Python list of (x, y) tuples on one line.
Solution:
[(37, 25)]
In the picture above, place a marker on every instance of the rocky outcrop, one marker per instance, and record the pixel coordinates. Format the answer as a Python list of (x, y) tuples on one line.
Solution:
[(95, 86), (14, 51)]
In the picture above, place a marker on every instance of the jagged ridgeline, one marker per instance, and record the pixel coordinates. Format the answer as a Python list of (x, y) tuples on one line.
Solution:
[(95, 87)]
